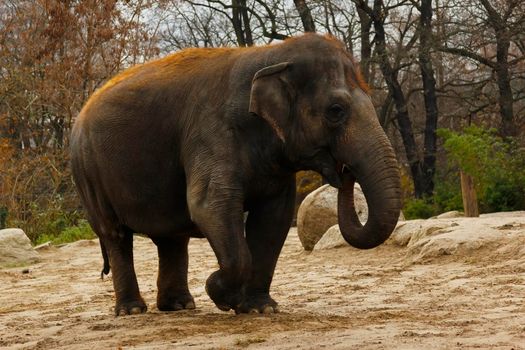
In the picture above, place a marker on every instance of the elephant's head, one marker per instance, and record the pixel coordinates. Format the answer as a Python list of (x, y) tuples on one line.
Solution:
[(318, 106)]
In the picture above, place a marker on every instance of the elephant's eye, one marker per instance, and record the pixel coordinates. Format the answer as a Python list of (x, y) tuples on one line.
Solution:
[(336, 113)]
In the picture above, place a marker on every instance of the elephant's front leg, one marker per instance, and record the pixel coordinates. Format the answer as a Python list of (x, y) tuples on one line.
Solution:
[(218, 213), (266, 230)]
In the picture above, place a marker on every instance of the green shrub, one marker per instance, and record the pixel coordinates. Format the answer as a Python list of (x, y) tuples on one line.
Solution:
[(504, 196), (47, 219), (69, 234), (419, 209), (447, 191), (495, 164)]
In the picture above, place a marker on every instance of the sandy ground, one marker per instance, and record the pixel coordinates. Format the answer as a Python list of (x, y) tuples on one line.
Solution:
[(336, 299)]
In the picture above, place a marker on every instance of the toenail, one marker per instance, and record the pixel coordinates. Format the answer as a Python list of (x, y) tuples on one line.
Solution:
[(268, 310), (135, 310)]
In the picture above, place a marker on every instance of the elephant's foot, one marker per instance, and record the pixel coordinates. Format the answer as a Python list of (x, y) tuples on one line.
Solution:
[(130, 307), (175, 302), (257, 303), (225, 298)]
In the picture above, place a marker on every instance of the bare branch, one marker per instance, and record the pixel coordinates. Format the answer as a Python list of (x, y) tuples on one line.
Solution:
[(468, 54)]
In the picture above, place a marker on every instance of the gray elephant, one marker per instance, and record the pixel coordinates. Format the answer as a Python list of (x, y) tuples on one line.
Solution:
[(183, 146)]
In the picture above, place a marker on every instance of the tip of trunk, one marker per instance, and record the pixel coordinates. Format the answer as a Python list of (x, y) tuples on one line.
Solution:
[(384, 206)]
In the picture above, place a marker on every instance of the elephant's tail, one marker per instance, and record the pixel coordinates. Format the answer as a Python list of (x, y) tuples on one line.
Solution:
[(105, 268)]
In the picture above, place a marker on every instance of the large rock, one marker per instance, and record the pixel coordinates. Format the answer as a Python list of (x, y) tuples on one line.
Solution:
[(501, 234), (331, 239), (466, 236), (408, 232), (15, 248), (450, 215), (318, 212), (504, 214)]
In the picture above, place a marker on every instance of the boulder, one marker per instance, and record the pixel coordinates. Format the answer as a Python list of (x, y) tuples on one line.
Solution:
[(408, 232), (504, 214), (331, 239), (318, 212), (15, 248), (493, 236), (450, 215), (427, 239), (401, 235), (466, 236)]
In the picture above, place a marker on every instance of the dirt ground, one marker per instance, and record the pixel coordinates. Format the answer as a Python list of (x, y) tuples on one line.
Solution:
[(341, 298)]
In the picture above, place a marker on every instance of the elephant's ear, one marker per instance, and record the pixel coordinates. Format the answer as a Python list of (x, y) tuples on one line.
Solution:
[(270, 97)]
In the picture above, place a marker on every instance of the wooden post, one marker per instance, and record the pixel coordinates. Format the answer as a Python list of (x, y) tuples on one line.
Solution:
[(468, 192)]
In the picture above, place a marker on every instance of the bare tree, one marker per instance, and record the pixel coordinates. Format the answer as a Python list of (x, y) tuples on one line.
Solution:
[(428, 163), (366, 45), (377, 14), (468, 37), (187, 24), (305, 14)]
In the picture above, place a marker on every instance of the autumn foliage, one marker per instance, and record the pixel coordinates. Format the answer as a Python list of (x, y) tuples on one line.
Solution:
[(53, 55)]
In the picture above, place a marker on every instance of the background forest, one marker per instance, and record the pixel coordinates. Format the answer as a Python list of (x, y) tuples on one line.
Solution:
[(447, 78)]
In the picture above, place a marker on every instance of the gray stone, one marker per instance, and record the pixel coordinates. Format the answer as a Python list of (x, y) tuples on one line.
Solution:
[(450, 215), (408, 232), (402, 234), (318, 212), (331, 239), (504, 214), (424, 240), (15, 248), (465, 237), (427, 239)]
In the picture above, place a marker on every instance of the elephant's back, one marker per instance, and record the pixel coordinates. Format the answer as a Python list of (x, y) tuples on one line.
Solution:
[(168, 94), (178, 73)]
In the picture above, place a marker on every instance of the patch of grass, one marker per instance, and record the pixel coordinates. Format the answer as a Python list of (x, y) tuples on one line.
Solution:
[(69, 234)]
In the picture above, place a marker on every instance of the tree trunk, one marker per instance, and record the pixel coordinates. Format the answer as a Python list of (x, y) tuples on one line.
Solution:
[(237, 22), (394, 88), (306, 15), (428, 168), (246, 24), (366, 46), (500, 24), (503, 78)]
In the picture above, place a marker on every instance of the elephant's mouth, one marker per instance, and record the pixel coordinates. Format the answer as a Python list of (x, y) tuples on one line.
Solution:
[(334, 175), (342, 168)]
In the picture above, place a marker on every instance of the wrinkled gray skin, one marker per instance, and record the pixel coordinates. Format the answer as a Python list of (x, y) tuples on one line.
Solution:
[(183, 146)]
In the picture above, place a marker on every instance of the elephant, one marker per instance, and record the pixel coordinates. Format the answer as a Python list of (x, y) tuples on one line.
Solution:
[(186, 145)]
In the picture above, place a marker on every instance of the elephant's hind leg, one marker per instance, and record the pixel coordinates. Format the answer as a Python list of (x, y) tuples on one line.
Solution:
[(172, 282), (119, 247), (116, 242)]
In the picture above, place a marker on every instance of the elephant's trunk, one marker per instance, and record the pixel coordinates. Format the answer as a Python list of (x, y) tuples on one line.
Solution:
[(380, 180)]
